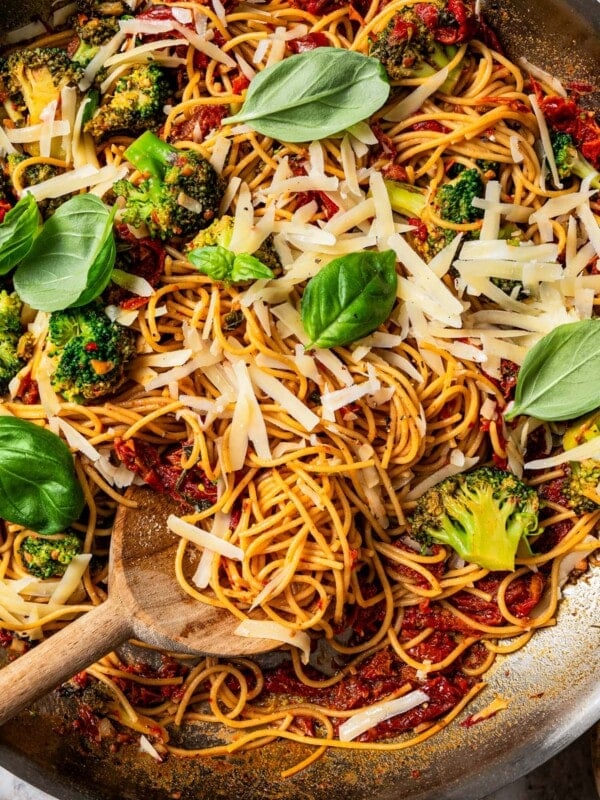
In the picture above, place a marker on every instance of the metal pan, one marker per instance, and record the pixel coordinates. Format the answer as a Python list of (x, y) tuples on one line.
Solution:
[(551, 685)]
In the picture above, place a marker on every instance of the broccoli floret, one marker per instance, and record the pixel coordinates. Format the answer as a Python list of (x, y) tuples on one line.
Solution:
[(569, 160), (37, 173), (15, 346), (453, 200), (102, 8), (583, 477), (219, 233), (49, 556), (418, 42), (482, 515), (89, 351), (135, 105), (179, 196), (92, 33), (31, 79)]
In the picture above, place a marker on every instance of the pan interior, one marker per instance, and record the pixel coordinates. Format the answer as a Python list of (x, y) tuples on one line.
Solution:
[(551, 684)]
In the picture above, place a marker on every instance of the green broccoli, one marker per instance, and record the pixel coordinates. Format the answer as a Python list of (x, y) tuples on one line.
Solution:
[(219, 233), (583, 477), (89, 351), (136, 104), (14, 348), (92, 33), (569, 160), (453, 200), (483, 515), (180, 194), (49, 556), (406, 199), (37, 173), (417, 45), (30, 80)]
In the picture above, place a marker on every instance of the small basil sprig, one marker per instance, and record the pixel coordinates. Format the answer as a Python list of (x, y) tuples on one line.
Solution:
[(38, 485), (314, 94), (71, 261), (222, 264), (349, 298), (18, 230), (560, 375)]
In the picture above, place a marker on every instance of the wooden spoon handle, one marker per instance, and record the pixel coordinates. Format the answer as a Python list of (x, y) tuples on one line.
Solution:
[(61, 656)]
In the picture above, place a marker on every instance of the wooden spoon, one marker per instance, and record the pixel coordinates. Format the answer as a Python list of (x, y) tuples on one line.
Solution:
[(145, 602)]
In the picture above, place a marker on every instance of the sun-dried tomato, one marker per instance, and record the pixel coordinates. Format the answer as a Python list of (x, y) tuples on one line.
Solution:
[(201, 121), (309, 42), (142, 257)]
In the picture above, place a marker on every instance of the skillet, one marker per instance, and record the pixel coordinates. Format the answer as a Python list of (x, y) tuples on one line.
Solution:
[(551, 684)]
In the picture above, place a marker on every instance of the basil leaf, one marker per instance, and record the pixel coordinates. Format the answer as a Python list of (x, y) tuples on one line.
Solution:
[(17, 232), (249, 268), (222, 264), (560, 376), (349, 298), (215, 261), (38, 485), (100, 272), (314, 94), (71, 260)]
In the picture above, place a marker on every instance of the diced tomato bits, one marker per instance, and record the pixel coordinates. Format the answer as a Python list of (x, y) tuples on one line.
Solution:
[(238, 85), (163, 472), (403, 31), (28, 391), (142, 257), (455, 24), (309, 42), (5, 207), (203, 120), (395, 172), (429, 125), (564, 114)]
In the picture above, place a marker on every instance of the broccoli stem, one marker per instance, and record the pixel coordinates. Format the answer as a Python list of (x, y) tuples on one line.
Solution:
[(405, 199), (582, 168), (149, 153)]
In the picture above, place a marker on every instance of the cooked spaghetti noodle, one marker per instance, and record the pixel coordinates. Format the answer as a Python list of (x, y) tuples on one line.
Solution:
[(311, 461)]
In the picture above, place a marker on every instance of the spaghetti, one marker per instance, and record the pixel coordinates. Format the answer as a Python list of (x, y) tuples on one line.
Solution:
[(311, 461)]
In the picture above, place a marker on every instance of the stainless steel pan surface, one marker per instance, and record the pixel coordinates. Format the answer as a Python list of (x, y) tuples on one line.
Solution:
[(551, 685)]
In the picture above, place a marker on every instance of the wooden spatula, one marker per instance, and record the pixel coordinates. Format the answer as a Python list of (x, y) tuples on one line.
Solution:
[(145, 602)]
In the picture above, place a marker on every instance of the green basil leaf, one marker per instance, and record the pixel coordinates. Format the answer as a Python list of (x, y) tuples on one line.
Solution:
[(100, 273), (17, 232), (560, 376), (72, 258), (215, 261), (314, 94), (38, 485), (249, 268), (221, 264), (349, 298)]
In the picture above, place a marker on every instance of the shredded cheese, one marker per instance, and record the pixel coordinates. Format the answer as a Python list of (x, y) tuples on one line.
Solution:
[(259, 629), (413, 102), (203, 539), (371, 716)]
